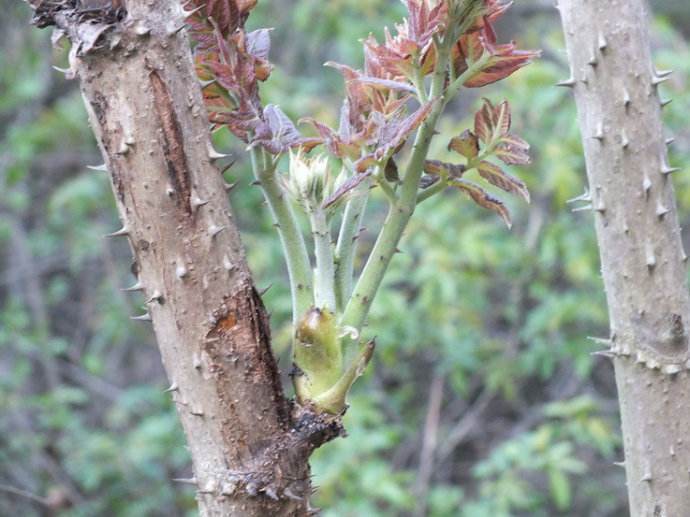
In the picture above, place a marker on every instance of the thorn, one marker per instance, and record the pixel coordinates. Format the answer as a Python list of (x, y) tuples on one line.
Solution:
[(227, 264), (646, 184), (599, 135), (255, 183), (214, 230), (625, 143), (601, 42), (144, 317), (102, 167), (142, 30), (665, 102), (229, 186), (291, 495), (663, 73), (270, 491), (657, 80), (582, 208), (196, 202), (600, 341), (265, 290), (661, 210), (136, 287), (215, 155), (601, 208), (194, 11), (170, 191), (666, 169), (650, 259), (176, 29), (186, 481), (604, 353), (181, 271), (585, 196), (204, 84), (669, 141), (567, 83), (593, 62), (252, 489), (123, 149), (196, 412), (155, 297), (647, 477), (626, 98), (63, 70), (619, 464), (173, 387), (227, 167), (120, 233)]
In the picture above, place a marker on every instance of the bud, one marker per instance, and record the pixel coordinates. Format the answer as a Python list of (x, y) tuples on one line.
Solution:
[(310, 181)]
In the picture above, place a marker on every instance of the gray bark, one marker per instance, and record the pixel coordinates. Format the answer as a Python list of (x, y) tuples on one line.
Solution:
[(643, 261), (249, 445)]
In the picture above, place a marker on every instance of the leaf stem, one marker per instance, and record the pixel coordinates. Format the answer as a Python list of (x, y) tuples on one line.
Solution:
[(347, 242), (324, 271), (386, 245), (294, 248), (400, 212), (434, 189)]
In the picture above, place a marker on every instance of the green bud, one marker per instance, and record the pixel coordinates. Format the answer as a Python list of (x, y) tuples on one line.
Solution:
[(317, 353)]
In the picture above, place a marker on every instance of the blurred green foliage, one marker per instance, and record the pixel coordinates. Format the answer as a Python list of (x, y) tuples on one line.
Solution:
[(528, 422)]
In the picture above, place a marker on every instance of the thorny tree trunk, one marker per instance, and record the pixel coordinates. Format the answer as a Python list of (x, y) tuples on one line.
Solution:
[(249, 446), (643, 262)]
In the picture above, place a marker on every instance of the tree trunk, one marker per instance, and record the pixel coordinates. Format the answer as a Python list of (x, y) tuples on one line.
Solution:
[(643, 262), (249, 445)]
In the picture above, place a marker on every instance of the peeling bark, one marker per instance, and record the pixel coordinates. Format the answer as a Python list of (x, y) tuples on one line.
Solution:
[(249, 444), (643, 261)]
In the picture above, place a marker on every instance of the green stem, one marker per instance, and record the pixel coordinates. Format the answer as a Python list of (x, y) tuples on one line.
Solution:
[(400, 212), (434, 189), (347, 239), (324, 273), (294, 248), (386, 188), (386, 245)]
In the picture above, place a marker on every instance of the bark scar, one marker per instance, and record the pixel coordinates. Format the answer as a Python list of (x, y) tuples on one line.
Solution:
[(172, 142)]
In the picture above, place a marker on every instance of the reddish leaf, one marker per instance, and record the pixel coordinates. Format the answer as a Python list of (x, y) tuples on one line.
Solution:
[(365, 163), (385, 84), (492, 122), (277, 133), (259, 43), (484, 199), (447, 170), (348, 186), (466, 144), (503, 61), (513, 150), (501, 179)]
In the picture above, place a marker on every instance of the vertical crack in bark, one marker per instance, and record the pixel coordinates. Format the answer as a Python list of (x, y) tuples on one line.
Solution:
[(172, 142)]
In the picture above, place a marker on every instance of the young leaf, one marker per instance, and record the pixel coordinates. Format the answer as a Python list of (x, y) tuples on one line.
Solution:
[(492, 122), (277, 133), (443, 169), (347, 186), (484, 199), (501, 179), (513, 150), (466, 144)]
